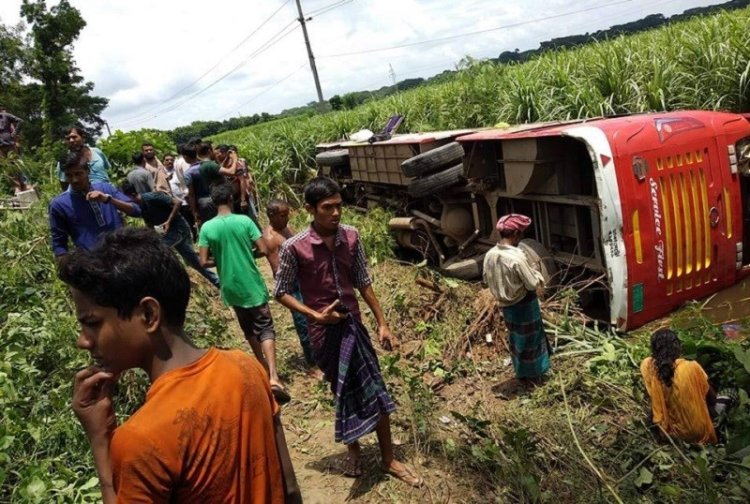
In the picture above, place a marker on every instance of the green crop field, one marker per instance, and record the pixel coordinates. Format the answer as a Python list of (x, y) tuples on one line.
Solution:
[(703, 63)]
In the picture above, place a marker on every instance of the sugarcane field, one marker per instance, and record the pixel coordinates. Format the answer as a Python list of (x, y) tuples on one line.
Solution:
[(333, 251)]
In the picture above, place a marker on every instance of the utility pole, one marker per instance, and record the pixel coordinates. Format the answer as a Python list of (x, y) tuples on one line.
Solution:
[(314, 69)]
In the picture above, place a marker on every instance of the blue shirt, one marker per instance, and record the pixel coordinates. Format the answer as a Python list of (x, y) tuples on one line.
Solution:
[(72, 217), (98, 167)]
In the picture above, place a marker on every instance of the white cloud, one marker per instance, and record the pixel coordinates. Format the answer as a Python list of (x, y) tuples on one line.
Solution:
[(140, 53)]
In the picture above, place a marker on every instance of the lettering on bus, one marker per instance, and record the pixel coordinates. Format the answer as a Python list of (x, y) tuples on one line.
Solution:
[(659, 245)]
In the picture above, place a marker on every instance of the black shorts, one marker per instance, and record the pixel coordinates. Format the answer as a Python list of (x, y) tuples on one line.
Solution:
[(256, 322)]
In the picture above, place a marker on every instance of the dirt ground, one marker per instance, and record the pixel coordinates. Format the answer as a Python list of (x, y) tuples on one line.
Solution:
[(308, 421)]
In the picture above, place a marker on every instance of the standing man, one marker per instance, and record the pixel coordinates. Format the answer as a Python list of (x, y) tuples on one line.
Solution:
[(328, 261), (99, 165), (230, 238), (517, 286), (154, 166), (87, 210), (275, 235), (176, 178), (8, 132), (139, 176), (161, 212), (209, 430)]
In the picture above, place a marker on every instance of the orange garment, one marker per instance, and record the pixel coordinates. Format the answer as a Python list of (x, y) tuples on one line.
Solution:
[(681, 409), (205, 434)]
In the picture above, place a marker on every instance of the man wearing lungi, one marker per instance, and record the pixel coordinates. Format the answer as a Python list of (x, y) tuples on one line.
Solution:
[(516, 285), (328, 261)]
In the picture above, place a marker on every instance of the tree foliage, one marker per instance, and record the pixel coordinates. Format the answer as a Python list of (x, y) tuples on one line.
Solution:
[(39, 79)]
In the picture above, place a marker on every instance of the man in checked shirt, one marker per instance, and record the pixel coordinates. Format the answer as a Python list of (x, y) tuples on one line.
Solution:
[(328, 261)]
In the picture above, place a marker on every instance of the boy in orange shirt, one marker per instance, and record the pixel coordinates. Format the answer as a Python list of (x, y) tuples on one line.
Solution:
[(209, 428)]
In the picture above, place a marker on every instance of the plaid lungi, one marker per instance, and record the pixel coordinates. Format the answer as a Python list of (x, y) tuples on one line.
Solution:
[(528, 342), (350, 365)]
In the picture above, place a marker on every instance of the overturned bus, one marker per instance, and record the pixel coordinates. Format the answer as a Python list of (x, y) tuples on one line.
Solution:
[(653, 206)]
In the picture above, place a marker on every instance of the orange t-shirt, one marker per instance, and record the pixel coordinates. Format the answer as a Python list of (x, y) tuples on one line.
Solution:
[(205, 434), (681, 409)]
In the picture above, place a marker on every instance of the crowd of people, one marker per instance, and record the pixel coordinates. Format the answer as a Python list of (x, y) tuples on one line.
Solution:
[(210, 428)]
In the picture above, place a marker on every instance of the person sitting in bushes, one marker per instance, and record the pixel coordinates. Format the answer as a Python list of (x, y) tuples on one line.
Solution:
[(681, 396)]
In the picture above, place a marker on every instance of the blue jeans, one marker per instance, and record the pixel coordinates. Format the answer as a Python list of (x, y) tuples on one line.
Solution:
[(180, 238), (300, 325)]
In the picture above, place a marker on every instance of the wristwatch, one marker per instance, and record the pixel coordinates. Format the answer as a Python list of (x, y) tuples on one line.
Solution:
[(109, 198)]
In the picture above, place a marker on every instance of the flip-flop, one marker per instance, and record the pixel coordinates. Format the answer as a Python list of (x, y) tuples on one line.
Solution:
[(280, 393), (349, 468), (407, 475)]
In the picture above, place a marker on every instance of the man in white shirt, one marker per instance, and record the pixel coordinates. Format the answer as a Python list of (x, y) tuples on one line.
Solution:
[(516, 285)]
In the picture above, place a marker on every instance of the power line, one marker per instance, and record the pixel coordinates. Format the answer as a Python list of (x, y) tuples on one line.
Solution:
[(467, 34), (276, 38), (219, 62), (329, 7), (266, 90)]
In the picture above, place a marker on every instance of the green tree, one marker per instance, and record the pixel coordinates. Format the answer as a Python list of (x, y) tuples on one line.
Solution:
[(65, 97)]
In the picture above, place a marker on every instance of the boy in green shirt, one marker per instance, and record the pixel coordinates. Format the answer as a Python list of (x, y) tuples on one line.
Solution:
[(229, 238)]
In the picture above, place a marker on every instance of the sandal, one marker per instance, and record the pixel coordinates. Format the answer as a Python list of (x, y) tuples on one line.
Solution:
[(407, 475), (350, 468), (280, 393)]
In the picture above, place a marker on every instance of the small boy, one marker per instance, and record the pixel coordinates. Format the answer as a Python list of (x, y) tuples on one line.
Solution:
[(275, 235)]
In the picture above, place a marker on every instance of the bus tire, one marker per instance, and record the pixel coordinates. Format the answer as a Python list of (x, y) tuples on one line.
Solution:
[(437, 182), (333, 157), (433, 160)]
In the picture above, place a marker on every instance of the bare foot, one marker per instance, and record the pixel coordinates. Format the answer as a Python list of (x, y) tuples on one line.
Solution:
[(404, 473)]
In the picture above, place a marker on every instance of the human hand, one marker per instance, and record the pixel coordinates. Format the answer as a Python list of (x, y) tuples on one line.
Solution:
[(329, 316), (243, 204), (540, 291), (387, 340), (97, 196), (165, 226), (92, 402)]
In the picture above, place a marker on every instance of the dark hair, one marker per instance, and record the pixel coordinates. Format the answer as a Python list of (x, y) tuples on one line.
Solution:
[(665, 349), (127, 188), (188, 151), (79, 129), (146, 144), (124, 267), (72, 159), (168, 154), (137, 158), (507, 233), (221, 194), (204, 149), (274, 206), (194, 141), (319, 189), (233, 148), (223, 148)]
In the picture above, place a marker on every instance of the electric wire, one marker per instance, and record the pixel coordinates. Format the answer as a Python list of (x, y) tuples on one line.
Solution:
[(266, 90), (477, 32), (276, 38), (220, 61)]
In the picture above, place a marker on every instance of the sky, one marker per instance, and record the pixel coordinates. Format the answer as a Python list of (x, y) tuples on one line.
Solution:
[(166, 63)]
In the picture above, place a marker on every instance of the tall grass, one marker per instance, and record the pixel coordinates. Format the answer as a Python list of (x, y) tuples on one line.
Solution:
[(703, 63)]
